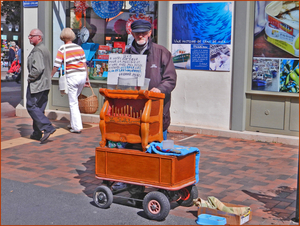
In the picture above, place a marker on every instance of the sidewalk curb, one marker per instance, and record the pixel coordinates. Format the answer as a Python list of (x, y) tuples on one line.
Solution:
[(247, 135)]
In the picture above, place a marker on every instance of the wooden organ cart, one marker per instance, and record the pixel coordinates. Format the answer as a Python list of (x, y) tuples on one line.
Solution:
[(131, 116), (135, 116)]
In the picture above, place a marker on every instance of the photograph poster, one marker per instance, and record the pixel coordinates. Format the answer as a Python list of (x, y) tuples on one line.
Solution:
[(201, 36), (276, 46)]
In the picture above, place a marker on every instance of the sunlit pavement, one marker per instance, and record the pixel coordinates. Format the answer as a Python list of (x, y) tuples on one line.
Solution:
[(256, 174)]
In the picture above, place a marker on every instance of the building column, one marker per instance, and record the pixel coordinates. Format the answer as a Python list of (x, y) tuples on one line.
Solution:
[(29, 22)]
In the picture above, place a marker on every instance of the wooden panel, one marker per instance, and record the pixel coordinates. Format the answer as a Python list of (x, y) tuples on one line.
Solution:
[(166, 171), (155, 108), (284, 106), (266, 113), (100, 162), (143, 168), (185, 167), (153, 128), (123, 128), (294, 115), (133, 166), (122, 137)]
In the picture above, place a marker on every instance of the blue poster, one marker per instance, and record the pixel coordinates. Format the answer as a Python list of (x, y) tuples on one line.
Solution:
[(200, 57), (30, 4), (201, 36)]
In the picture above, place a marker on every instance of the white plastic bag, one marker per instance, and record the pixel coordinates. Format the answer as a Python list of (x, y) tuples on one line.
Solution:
[(63, 86)]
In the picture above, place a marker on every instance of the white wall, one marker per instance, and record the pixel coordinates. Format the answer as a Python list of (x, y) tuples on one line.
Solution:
[(201, 98)]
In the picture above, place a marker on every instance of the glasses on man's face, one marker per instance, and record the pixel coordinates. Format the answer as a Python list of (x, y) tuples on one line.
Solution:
[(140, 33), (31, 36)]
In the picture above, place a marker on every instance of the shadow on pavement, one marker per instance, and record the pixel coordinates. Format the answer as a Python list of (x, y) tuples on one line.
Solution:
[(280, 200)]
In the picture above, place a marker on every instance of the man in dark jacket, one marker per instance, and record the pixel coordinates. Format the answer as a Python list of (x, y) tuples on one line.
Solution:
[(11, 53), (159, 68), (39, 83)]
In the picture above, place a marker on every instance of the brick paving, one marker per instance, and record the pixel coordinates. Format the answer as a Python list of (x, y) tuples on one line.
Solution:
[(256, 174)]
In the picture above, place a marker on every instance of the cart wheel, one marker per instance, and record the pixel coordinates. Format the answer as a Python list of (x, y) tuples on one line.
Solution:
[(187, 195), (103, 197), (156, 206), (135, 189)]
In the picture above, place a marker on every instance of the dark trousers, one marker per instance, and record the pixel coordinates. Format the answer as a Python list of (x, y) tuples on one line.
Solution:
[(18, 78), (36, 104)]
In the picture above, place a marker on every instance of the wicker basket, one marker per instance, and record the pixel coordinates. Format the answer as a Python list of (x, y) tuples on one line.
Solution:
[(88, 105)]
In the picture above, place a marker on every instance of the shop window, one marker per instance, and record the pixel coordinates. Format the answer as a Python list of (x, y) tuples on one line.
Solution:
[(101, 28), (89, 27), (276, 47)]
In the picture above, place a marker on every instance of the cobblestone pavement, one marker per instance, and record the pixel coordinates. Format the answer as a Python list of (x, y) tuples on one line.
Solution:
[(256, 174)]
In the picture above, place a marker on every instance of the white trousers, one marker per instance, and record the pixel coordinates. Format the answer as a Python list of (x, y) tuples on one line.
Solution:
[(75, 86)]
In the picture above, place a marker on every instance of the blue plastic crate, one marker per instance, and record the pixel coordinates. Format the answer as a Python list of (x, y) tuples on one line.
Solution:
[(207, 219)]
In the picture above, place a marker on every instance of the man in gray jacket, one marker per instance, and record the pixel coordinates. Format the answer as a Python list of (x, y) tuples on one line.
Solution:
[(159, 68), (39, 83)]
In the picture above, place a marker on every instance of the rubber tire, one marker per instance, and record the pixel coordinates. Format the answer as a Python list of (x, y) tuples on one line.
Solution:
[(193, 191), (160, 199), (106, 194)]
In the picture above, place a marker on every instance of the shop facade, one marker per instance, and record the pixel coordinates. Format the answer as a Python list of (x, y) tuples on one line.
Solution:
[(10, 31), (216, 78)]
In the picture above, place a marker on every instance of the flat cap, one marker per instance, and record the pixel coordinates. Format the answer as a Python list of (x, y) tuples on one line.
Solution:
[(140, 26)]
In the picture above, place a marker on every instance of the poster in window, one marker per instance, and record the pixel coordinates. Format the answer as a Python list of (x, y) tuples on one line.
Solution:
[(276, 46), (201, 36)]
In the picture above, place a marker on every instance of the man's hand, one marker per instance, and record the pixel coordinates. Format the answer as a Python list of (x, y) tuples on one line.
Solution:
[(87, 84), (155, 90)]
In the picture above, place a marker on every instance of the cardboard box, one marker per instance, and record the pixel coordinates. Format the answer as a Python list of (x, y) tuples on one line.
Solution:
[(231, 219)]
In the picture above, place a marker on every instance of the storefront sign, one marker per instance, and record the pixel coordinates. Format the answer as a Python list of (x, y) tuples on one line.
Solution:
[(126, 66), (30, 4)]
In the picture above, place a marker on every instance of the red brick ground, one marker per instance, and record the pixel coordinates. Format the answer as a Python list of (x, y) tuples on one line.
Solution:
[(256, 174)]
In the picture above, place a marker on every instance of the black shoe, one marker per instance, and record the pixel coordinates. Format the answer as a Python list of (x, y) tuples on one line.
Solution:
[(47, 135), (35, 137)]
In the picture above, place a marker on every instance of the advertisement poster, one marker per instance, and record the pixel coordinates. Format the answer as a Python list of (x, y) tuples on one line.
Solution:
[(201, 36), (276, 46)]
